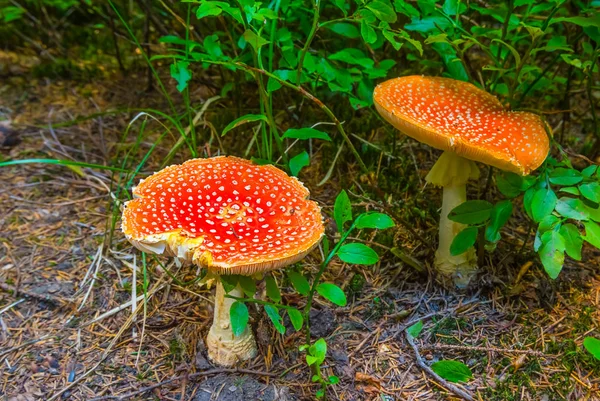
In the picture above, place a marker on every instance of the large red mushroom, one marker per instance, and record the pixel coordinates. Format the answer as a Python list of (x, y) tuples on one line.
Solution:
[(230, 216)]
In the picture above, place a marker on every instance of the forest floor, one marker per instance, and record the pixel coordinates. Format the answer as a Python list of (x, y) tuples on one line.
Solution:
[(61, 272)]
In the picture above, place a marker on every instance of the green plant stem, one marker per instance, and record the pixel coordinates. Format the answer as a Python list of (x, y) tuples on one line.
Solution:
[(304, 93), (186, 95), (62, 163), (590, 81), (311, 36), (317, 278)]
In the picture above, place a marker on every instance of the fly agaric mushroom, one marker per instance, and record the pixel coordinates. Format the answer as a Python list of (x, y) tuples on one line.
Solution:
[(469, 125), (230, 216)]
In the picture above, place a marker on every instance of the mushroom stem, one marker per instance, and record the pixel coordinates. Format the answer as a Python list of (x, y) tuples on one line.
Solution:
[(451, 172), (224, 348), (461, 268)]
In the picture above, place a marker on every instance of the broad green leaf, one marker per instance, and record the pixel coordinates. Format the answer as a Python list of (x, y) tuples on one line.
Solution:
[(306, 133), (453, 371), (208, 8), (296, 318), (367, 32), (415, 329), (273, 314), (383, 10), (543, 203), (181, 73), (498, 218), (565, 176), (471, 212), (589, 171), (453, 7), (573, 240), (592, 233), (299, 282), (592, 345), (591, 191), (332, 293), (345, 29), (298, 162), (463, 241), (273, 289), (254, 40), (391, 37), (342, 210), (319, 350), (572, 208), (552, 252), (374, 220), (238, 316), (248, 285), (229, 281), (358, 254), (570, 190), (248, 118)]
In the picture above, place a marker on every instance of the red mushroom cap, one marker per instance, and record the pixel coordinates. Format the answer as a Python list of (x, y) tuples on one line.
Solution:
[(457, 116), (225, 213)]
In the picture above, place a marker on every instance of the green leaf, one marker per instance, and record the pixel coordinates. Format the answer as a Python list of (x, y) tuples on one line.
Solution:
[(463, 241), (573, 240), (299, 282), (208, 8), (391, 37), (333, 380), (565, 176), (248, 118), (552, 252), (572, 208), (238, 316), (342, 210), (181, 73), (273, 289), (345, 29), (511, 184), (471, 212), (589, 171), (248, 285), (374, 220), (358, 254), (592, 233), (498, 218), (367, 32), (383, 10), (570, 190), (319, 350), (306, 133), (453, 371), (273, 314), (591, 191), (332, 293), (592, 345), (514, 51), (229, 281), (296, 318), (415, 329), (254, 40), (543, 203), (298, 162)]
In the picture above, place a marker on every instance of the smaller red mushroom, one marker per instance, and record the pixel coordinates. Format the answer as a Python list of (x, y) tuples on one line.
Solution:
[(469, 125), (230, 216)]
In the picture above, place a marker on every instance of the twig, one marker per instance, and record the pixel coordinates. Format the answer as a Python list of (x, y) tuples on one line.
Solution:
[(487, 349), (449, 386), (184, 376), (11, 305), (25, 344), (29, 294)]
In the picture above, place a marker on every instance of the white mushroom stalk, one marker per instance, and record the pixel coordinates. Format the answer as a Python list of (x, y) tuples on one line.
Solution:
[(451, 172), (224, 347)]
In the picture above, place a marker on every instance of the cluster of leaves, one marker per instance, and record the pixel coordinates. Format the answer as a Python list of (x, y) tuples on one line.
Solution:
[(306, 286), (561, 201)]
